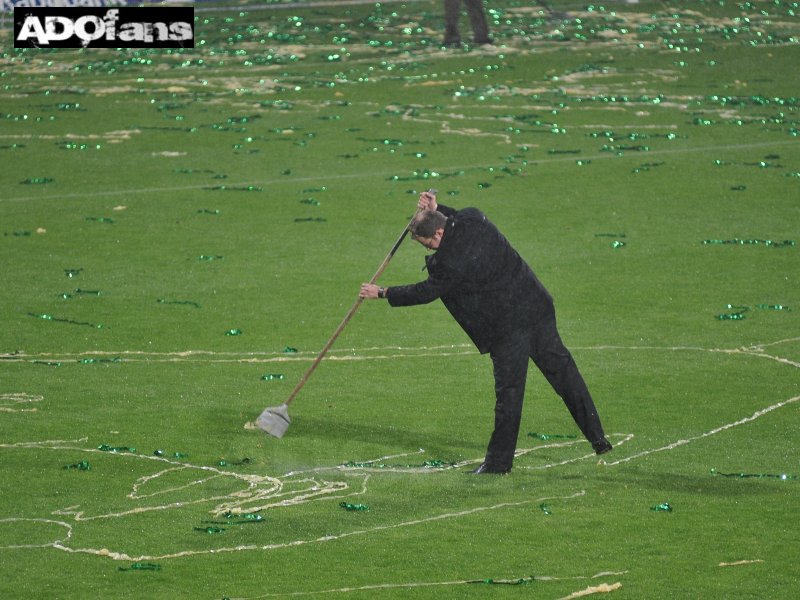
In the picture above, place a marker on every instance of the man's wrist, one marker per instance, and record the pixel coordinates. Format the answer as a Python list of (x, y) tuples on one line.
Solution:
[(381, 292)]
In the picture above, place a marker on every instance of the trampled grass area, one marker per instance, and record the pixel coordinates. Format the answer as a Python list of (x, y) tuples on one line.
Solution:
[(182, 231)]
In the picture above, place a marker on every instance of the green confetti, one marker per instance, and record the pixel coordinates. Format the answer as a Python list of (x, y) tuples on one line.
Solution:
[(37, 180), (289, 350), (271, 377), (773, 307), (520, 581), (737, 315), (750, 242), (141, 566), (227, 463), (80, 466), (209, 257), (232, 332), (93, 361), (353, 507), (551, 436), (782, 476), (79, 292), (47, 317), (235, 519), (210, 529), (545, 509), (185, 302), (663, 507), (116, 449), (739, 311), (235, 188)]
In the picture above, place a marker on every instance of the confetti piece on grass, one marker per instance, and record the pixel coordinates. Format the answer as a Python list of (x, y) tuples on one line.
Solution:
[(745, 242), (781, 476), (210, 529), (116, 449), (239, 463), (551, 436), (47, 317), (92, 361), (141, 566), (79, 292), (79, 466), (186, 302)]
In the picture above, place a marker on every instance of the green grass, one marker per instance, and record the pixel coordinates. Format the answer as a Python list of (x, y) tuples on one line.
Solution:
[(658, 124)]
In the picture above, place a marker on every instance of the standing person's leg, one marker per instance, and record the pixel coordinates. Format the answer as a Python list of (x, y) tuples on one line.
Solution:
[(510, 361), (452, 13), (557, 365), (477, 18)]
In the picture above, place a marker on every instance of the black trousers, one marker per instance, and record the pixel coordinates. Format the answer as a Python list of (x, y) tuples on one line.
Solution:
[(542, 344), (477, 18)]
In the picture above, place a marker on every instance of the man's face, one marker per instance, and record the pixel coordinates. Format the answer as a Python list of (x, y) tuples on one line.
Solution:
[(431, 243)]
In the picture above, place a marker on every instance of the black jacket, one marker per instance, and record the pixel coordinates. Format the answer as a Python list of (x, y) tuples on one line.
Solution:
[(484, 283)]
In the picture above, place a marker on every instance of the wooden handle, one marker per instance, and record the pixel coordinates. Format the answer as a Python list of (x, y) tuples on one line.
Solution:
[(347, 318)]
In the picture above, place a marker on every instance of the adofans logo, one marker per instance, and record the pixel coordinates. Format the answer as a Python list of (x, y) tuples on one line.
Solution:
[(128, 27)]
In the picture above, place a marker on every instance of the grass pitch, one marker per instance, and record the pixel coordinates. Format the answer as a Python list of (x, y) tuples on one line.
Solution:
[(183, 230)]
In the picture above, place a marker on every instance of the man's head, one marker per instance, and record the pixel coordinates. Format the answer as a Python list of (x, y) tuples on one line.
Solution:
[(427, 228)]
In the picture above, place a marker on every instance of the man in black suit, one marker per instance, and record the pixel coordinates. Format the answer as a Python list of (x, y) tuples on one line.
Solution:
[(505, 310)]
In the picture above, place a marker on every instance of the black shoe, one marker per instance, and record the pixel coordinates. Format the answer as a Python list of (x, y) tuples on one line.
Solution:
[(484, 468), (484, 42), (602, 446), (452, 43)]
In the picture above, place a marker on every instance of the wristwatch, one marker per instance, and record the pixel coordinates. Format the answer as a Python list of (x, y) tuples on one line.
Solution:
[(381, 292)]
